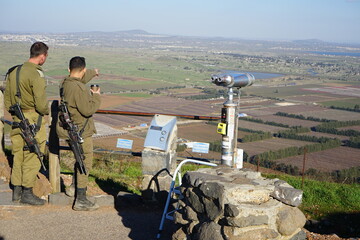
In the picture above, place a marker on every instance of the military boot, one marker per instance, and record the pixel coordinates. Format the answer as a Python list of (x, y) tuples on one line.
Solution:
[(28, 197), (16, 194), (82, 203)]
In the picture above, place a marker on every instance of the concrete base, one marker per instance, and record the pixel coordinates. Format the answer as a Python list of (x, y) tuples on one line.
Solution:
[(154, 161), (157, 167), (60, 199), (155, 188)]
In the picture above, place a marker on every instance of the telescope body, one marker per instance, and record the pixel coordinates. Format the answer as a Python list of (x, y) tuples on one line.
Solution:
[(230, 80)]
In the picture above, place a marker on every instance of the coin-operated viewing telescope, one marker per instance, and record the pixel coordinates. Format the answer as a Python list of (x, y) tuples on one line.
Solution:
[(229, 115), (237, 80)]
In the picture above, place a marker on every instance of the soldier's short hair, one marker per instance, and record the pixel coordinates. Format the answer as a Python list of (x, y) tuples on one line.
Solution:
[(77, 63), (38, 48)]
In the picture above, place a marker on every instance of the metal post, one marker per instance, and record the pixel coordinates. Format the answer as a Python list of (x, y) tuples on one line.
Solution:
[(2, 107), (303, 170), (236, 129), (228, 140), (54, 164)]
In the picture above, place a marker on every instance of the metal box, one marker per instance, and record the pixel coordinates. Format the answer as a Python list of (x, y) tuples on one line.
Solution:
[(162, 133)]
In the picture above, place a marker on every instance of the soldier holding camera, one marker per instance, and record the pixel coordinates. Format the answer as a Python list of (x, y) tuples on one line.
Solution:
[(25, 96), (81, 105)]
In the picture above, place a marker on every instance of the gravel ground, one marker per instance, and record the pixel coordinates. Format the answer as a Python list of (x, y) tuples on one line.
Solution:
[(315, 236)]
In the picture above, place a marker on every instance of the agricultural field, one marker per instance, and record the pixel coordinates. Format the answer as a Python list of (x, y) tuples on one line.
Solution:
[(109, 143), (327, 135), (344, 103), (121, 121), (259, 126), (327, 160), (295, 109), (198, 132), (343, 91), (164, 104), (356, 128), (155, 76), (185, 92), (311, 98), (253, 148), (333, 114), (283, 92), (289, 121), (110, 101)]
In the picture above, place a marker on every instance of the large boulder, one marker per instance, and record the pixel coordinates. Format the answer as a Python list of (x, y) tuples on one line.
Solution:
[(289, 219)]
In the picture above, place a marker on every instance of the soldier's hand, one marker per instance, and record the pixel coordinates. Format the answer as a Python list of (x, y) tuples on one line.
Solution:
[(96, 71), (97, 91)]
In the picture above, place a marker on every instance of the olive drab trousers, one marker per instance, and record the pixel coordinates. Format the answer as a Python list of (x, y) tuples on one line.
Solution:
[(82, 179), (26, 165)]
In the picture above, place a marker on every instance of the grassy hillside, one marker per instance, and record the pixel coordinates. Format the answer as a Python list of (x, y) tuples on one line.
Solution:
[(324, 198), (320, 199), (334, 207)]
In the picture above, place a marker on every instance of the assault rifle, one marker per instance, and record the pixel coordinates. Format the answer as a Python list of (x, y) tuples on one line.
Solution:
[(75, 140), (28, 132)]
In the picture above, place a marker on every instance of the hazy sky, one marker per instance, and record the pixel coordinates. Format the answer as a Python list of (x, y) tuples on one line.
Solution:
[(329, 20)]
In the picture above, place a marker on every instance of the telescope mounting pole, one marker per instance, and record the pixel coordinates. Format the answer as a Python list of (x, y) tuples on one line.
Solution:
[(229, 140)]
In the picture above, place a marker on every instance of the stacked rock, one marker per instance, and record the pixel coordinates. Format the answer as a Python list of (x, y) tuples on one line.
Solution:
[(236, 204)]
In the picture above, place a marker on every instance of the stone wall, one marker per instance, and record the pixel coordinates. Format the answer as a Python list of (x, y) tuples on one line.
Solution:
[(232, 204)]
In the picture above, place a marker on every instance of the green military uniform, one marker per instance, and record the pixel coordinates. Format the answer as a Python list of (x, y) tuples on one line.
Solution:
[(82, 105), (34, 103)]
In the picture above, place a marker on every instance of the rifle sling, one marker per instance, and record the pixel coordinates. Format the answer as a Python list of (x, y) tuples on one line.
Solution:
[(83, 128), (18, 94), (63, 101)]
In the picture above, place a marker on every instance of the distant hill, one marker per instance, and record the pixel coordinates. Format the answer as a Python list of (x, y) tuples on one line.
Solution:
[(138, 38), (309, 41)]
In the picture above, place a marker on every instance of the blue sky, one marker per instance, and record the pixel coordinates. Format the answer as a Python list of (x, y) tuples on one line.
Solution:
[(329, 20)]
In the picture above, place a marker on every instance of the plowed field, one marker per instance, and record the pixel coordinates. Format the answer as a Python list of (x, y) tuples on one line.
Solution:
[(328, 160), (253, 148)]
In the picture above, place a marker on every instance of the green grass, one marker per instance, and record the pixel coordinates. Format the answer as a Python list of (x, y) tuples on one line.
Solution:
[(111, 173), (118, 169), (191, 167), (166, 69), (322, 199)]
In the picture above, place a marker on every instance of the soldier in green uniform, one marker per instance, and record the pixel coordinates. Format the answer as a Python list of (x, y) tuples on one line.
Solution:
[(33, 102), (82, 104)]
